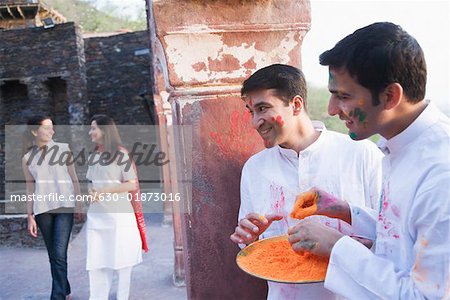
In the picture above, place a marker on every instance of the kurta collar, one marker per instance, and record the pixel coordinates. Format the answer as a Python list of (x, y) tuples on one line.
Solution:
[(319, 126), (426, 119)]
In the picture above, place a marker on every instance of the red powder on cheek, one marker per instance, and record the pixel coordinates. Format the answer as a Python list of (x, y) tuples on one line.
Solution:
[(276, 260), (280, 121), (266, 143)]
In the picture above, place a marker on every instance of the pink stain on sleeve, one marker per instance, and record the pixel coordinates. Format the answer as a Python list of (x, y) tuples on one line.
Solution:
[(395, 211), (420, 274)]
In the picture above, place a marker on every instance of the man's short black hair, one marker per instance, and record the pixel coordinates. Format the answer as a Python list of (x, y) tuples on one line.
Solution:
[(287, 81), (378, 55)]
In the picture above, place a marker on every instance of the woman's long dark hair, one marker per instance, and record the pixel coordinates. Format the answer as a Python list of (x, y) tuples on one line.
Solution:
[(111, 137), (33, 124)]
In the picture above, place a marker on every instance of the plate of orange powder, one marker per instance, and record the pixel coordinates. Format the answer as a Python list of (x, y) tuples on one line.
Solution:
[(273, 259)]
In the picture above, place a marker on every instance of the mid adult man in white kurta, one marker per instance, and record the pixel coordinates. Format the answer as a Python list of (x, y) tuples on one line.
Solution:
[(300, 154), (380, 72)]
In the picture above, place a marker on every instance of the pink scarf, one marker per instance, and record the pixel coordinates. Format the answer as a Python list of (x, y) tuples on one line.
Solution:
[(135, 200)]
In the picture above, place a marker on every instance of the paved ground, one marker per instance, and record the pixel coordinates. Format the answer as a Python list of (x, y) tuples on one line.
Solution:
[(25, 273)]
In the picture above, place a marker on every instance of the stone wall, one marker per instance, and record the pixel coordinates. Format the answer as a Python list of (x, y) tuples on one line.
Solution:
[(118, 69), (41, 72), (39, 58)]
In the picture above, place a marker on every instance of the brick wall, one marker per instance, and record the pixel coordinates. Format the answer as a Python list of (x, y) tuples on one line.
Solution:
[(118, 69)]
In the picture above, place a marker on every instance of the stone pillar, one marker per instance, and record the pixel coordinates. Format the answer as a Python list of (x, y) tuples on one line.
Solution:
[(203, 50)]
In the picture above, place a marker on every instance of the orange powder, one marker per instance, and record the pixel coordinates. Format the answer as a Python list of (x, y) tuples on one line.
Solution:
[(305, 205), (275, 260), (262, 218)]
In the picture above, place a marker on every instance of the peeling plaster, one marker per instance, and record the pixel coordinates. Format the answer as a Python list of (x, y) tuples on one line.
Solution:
[(190, 56)]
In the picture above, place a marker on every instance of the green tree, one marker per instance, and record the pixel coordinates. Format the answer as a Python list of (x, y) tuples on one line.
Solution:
[(91, 19)]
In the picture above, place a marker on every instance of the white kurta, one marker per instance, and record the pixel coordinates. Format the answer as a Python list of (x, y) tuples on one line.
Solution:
[(113, 239), (51, 177), (272, 178), (412, 254)]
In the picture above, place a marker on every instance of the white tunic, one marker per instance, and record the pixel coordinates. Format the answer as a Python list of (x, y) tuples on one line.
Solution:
[(52, 179), (113, 239), (272, 178), (412, 224)]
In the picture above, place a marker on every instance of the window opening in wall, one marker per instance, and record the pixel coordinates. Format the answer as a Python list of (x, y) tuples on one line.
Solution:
[(13, 90)]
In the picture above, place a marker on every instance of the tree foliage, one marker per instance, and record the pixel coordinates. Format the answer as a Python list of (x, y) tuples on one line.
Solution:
[(92, 19)]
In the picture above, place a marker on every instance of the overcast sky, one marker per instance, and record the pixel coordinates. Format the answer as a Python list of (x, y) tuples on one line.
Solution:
[(427, 21)]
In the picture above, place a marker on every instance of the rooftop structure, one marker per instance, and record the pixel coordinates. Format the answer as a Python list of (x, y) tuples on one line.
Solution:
[(15, 14)]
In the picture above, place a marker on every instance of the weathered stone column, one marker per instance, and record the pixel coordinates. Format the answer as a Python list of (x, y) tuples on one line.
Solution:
[(203, 50)]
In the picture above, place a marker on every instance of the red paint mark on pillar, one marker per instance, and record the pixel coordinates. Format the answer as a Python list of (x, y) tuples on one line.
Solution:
[(250, 64), (200, 66), (234, 144), (226, 63)]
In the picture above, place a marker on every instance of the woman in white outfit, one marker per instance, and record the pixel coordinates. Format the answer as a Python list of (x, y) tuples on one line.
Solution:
[(113, 233)]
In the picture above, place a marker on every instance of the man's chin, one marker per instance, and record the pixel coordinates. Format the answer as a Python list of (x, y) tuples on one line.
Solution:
[(268, 144), (354, 136), (358, 136)]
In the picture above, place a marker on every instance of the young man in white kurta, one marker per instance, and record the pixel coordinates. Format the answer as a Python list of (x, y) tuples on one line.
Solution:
[(272, 178), (300, 154), (412, 224)]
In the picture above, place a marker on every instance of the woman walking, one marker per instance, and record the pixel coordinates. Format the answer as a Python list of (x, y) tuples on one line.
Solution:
[(54, 218), (115, 223)]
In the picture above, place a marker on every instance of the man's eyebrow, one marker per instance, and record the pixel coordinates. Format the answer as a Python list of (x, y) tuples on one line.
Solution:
[(262, 103), (259, 104), (340, 92)]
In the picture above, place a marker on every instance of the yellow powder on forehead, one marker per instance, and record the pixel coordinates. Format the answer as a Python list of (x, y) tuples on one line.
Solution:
[(305, 205), (275, 259)]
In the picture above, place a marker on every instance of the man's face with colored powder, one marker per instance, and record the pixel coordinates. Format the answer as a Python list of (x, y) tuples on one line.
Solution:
[(353, 104), (271, 117)]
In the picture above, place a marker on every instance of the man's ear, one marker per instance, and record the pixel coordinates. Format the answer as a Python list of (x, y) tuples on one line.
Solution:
[(297, 104), (392, 96)]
